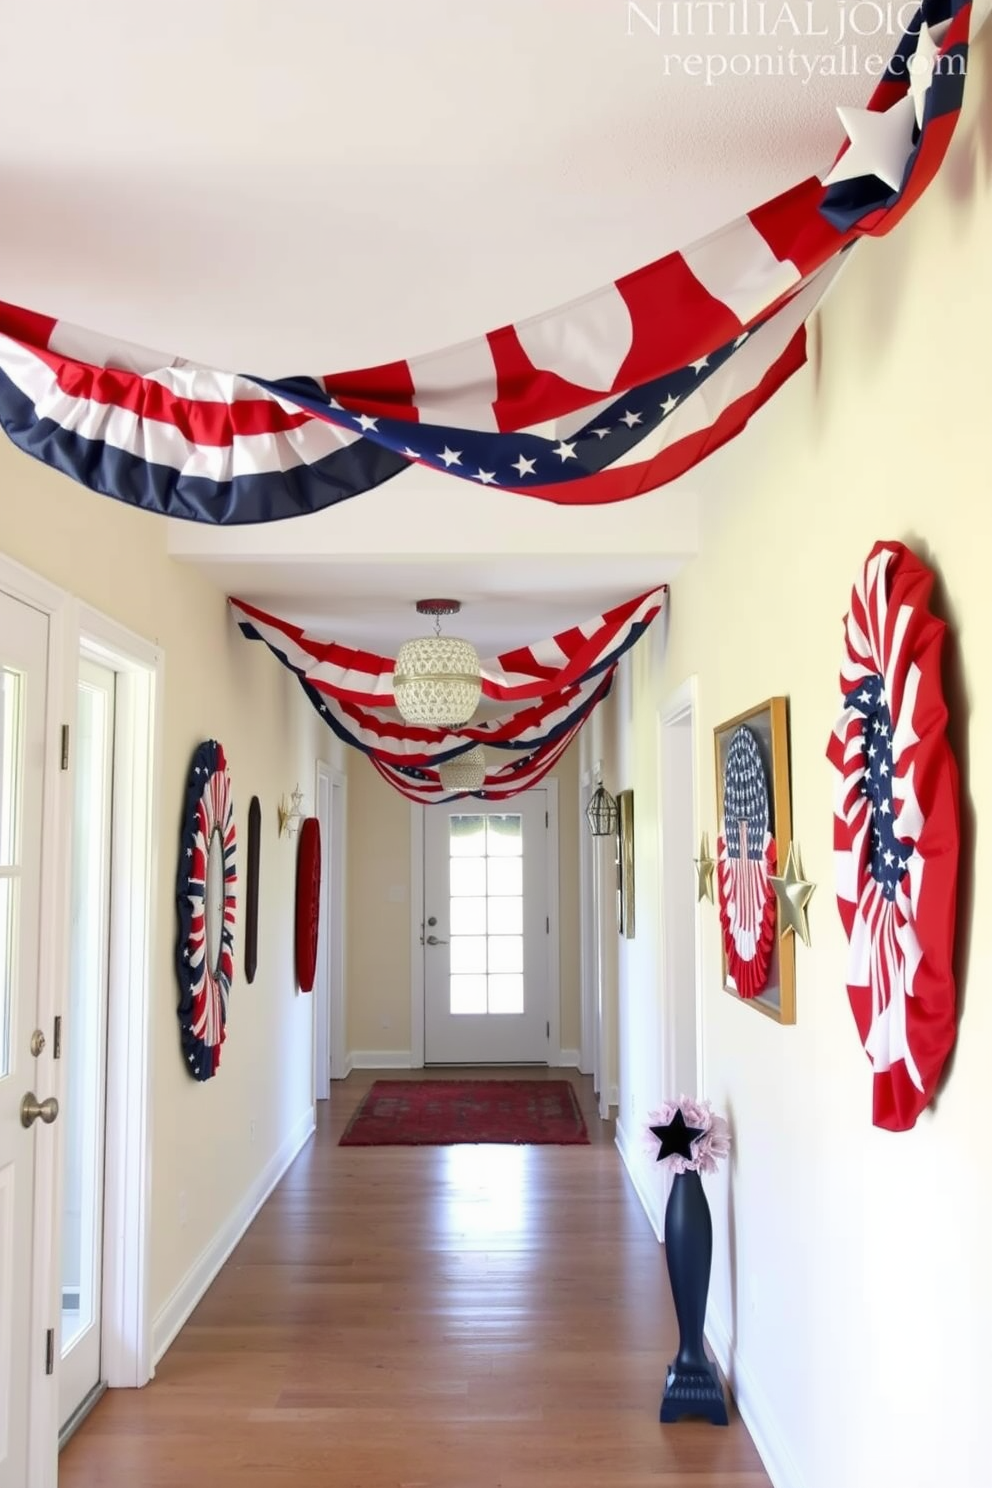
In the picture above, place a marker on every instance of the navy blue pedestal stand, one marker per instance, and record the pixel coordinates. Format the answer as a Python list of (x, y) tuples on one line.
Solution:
[(693, 1387)]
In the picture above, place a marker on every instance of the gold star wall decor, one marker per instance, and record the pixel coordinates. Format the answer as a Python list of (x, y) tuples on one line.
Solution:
[(704, 871), (793, 892)]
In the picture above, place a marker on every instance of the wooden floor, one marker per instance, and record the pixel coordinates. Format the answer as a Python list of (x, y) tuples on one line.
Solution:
[(432, 1317)]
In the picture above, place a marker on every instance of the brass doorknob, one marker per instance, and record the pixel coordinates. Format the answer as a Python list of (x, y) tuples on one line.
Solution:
[(32, 1108)]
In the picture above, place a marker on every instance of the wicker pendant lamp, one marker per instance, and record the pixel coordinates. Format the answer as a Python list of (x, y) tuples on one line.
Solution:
[(436, 678)]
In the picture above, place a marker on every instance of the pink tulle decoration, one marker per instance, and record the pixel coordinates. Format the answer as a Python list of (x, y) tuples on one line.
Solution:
[(709, 1150)]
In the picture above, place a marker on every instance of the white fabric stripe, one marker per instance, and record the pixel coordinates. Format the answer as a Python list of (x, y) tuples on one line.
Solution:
[(738, 268), (739, 374), (585, 342), (457, 386), (104, 351), (162, 443)]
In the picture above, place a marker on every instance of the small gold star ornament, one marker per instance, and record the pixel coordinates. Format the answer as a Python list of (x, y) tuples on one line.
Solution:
[(704, 871), (793, 893)]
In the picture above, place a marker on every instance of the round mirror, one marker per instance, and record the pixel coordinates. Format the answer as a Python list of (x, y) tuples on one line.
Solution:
[(213, 900)]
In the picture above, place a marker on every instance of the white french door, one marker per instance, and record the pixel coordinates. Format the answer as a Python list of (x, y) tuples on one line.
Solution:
[(486, 931), (25, 1061), (85, 1042)]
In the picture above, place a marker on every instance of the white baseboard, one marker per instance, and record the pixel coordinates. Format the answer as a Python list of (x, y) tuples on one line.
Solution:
[(649, 1202), (381, 1059), (187, 1294), (568, 1059), (613, 1095), (756, 1413)]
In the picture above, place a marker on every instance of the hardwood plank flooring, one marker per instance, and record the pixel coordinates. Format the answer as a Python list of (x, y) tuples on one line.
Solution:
[(424, 1317)]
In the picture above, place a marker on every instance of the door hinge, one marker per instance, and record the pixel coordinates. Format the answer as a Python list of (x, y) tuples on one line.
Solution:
[(57, 1038), (50, 1351), (546, 819), (547, 924), (548, 1027), (65, 746)]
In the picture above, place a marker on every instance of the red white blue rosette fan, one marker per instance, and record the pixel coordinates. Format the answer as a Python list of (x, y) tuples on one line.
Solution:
[(204, 989), (745, 860), (896, 831)]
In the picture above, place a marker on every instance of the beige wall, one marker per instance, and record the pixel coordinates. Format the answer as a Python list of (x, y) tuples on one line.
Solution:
[(217, 685), (851, 1275), (378, 914)]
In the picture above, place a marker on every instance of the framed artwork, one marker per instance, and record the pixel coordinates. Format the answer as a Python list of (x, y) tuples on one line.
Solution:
[(754, 832), (251, 889), (625, 863)]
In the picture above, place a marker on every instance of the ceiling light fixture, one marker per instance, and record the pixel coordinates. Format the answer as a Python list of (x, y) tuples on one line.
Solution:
[(436, 678), (466, 772)]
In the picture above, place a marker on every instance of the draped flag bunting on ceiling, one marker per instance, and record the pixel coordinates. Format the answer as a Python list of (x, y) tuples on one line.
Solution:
[(544, 694), (638, 381)]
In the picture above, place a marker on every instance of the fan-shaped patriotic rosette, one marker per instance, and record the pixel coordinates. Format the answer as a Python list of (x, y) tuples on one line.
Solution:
[(203, 989), (745, 860), (896, 833)]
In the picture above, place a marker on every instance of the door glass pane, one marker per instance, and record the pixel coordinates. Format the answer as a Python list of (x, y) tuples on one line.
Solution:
[(468, 836), (506, 875), (468, 994), (84, 1022), (506, 953), (486, 914), (468, 916), (468, 953), (506, 916), (11, 713), (506, 994), (504, 836)]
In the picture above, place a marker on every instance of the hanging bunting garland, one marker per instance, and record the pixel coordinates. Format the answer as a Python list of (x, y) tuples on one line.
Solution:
[(643, 378), (204, 988), (745, 861), (896, 833)]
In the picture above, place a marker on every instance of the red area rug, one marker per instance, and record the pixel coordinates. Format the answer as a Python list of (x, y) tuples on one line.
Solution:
[(439, 1113)]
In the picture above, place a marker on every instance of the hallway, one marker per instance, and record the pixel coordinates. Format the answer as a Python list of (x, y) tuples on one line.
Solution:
[(434, 1317)]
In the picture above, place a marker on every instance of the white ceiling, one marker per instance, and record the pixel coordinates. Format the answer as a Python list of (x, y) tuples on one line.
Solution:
[(319, 185)]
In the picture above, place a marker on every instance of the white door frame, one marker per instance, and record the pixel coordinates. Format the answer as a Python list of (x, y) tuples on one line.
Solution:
[(126, 1331), (680, 710), (588, 945), (140, 666), (45, 1280), (330, 1054), (550, 786)]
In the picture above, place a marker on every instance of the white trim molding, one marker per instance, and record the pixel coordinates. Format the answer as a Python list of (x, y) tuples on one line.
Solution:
[(187, 1294), (139, 667), (374, 1059), (650, 1202), (570, 1059), (756, 1413), (416, 938)]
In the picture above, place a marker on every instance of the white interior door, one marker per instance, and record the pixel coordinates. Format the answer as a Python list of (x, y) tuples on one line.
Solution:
[(85, 1043), (486, 931), (23, 701)]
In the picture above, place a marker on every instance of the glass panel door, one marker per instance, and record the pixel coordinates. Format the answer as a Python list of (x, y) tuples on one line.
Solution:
[(486, 932)]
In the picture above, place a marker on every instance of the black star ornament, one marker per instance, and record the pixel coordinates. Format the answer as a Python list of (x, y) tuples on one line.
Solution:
[(676, 1138)]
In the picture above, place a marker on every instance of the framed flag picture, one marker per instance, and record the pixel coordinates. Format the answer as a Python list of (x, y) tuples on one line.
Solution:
[(754, 832)]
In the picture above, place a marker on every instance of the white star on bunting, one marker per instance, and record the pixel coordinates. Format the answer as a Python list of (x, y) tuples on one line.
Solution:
[(564, 451), (880, 144), (523, 466), (920, 64), (364, 422), (450, 456)]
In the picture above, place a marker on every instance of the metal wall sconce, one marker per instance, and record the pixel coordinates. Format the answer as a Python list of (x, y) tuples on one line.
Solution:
[(291, 816), (601, 813)]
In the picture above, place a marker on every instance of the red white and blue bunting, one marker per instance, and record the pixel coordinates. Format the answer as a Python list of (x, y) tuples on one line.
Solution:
[(549, 689), (640, 380), (896, 833), (204, 989)]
